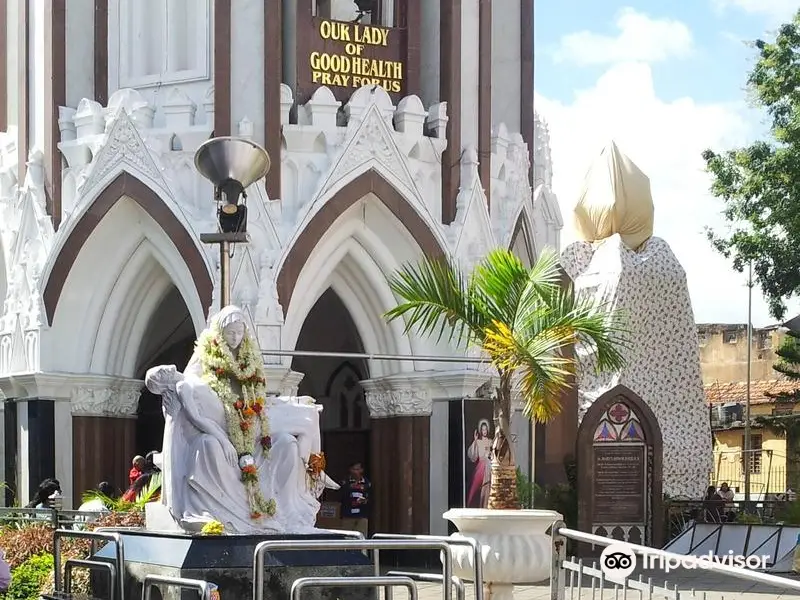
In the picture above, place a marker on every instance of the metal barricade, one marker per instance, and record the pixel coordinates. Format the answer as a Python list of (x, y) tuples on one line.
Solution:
[(299, 545), (204, 588), (356, 535), (477, 559), (92, 565), (457, 582), (93, 536), (645, 589), (373, 582)]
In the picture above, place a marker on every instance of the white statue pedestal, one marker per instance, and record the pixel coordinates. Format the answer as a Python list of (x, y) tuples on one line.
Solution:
[(515, 547), (158, 519)]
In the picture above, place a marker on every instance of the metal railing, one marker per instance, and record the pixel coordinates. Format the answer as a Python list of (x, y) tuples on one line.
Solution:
[(559, 533), (93, 537), (354, 544), (92, 565), (64, 519), (371, 582), (457, 582), (204, 588), (477, 559)]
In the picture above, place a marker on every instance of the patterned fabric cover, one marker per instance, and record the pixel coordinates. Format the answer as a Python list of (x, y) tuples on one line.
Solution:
[(662, 355)]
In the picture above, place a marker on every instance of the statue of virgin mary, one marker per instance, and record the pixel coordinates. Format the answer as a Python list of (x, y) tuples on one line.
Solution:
[(231, 454)]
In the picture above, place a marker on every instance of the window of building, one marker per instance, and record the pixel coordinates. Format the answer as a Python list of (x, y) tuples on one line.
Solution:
[(783, 408), (755, 453), (702, 339), (348, 399), (368, 12), (764, 340), (163, 41), (730, 337)]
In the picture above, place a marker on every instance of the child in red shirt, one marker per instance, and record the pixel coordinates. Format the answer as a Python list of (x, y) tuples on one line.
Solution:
[(136, 470)]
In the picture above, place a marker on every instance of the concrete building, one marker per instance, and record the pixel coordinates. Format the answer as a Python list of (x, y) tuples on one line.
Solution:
[(402, 132), (723, 352)]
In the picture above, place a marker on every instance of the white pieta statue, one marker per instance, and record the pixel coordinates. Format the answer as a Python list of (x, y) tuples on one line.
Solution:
[(230, 453)]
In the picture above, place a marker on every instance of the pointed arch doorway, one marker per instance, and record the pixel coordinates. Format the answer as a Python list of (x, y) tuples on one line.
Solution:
[(335, 383)]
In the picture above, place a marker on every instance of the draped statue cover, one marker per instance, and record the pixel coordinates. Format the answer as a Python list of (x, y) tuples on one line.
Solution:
[(621, 265), (616, 200)]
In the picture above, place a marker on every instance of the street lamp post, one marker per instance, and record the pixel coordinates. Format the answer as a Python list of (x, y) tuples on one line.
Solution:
[(231, 165), (747, 441)]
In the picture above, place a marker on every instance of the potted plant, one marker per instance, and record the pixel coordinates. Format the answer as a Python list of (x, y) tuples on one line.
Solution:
[(523, 319)]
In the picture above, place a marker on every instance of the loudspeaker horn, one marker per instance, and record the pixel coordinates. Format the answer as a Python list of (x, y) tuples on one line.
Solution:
[(223, 159)]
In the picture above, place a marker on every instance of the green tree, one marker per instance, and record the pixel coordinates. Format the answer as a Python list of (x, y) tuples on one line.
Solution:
[(760, 184), (524, 320)]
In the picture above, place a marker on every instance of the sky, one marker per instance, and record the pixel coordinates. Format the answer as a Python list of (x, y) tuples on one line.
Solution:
[(665, 81)]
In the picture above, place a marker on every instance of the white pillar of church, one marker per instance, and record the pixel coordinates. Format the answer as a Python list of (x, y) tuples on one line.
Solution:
[(23, 456), (62, 419), (440, 449), (2, 448), (470, 58), (446, 386), (80, 51)]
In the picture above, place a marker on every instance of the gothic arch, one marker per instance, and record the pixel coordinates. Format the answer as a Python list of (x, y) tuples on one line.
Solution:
[(523, 230), (126, 185), (349, 373), (650, 439), (370, 182), (652, 431)]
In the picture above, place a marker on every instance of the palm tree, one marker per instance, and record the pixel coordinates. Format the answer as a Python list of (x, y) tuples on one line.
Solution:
[(523, 320)]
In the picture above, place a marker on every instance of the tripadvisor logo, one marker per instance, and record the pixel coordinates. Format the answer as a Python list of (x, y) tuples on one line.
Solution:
[(618, 562)]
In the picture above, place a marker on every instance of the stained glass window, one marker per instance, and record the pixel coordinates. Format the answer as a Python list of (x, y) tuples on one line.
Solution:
[(619, 424)]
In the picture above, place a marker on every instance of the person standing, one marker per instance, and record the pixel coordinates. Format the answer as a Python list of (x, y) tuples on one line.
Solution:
[(356, 500), (5, 573)]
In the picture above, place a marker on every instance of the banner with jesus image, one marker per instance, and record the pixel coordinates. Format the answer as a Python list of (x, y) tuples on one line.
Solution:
[(478, 435)]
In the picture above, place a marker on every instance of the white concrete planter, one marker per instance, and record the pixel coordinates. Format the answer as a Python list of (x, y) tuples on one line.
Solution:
[(514, 545)]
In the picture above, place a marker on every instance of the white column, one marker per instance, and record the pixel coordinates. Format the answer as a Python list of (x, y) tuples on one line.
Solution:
[(62, 420), (23, 457), (440, 476), (2, 450), (80, 51), (521, 434)]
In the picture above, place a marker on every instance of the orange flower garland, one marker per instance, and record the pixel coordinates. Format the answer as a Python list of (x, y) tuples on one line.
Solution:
[(314, 468)]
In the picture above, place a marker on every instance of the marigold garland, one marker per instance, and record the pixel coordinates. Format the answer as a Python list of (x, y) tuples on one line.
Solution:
[(220, 368), (213, 528), (314, 468)]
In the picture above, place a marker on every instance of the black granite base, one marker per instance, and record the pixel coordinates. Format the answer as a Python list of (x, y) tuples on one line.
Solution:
[(227, 561)]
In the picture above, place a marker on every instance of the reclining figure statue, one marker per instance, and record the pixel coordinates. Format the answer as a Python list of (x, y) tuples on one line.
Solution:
[(230, 453)]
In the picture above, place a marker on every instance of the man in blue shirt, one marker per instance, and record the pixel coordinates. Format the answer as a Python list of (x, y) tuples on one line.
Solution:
[(356, 500)]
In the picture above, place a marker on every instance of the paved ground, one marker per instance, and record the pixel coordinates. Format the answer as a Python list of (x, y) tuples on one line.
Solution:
[(715, 587)]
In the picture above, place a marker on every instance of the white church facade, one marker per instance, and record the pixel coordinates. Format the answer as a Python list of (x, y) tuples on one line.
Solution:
[(400, 132)]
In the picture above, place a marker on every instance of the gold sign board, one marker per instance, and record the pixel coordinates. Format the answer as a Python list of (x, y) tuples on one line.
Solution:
[(351, 55)]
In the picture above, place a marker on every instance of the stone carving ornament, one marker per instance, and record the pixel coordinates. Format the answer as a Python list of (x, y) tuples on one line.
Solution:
[(105, 402), (399, 403)]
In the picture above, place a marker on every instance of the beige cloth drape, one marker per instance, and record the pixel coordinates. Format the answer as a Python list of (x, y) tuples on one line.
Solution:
[(616, 199)]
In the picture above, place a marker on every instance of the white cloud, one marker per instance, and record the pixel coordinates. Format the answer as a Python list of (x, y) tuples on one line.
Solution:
[(639, 38), (665, 139), (774, 9)]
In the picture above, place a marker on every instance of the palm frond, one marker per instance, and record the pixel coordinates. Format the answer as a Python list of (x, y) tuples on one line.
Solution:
[(436, 301), (149, 492), (525, 319), (496, 285), (550, 321)]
